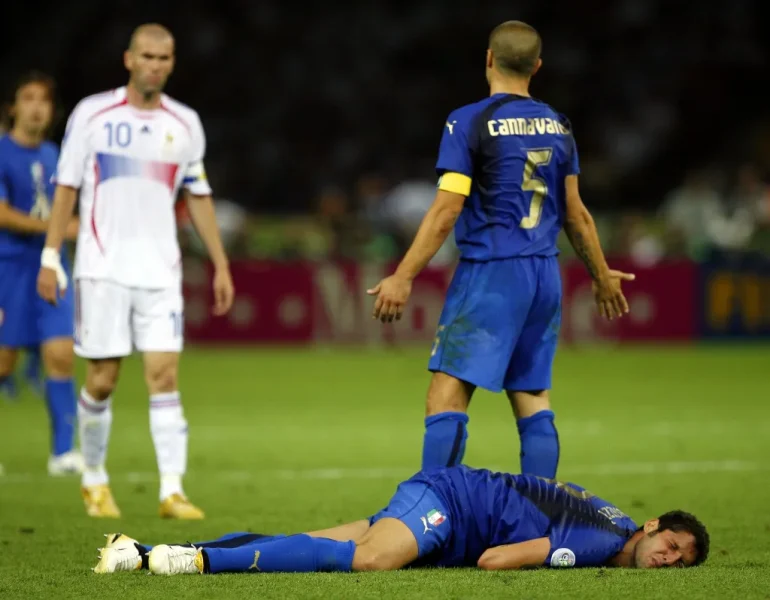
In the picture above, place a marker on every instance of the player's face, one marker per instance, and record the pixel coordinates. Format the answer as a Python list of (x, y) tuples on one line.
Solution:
[(658, 549), (33, 108), (150, 62)]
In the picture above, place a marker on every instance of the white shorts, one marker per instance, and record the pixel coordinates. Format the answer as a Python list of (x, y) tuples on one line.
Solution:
[(111, 319)]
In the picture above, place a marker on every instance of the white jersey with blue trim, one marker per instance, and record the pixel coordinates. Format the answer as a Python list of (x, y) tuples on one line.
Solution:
[(129, 165)]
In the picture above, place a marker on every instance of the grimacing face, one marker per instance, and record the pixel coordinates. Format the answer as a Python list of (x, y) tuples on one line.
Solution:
[(33, 108), (150, 61), (659, 549)]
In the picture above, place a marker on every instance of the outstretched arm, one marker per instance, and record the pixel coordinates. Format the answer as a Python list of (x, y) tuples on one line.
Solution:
[(393, 292), (581, 230), (532, 553)]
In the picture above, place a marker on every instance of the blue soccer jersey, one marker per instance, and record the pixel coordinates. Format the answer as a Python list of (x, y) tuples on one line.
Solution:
[(457, 513), (25, 185), (509, 155)]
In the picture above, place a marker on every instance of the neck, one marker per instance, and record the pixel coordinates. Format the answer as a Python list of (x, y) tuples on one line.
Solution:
[(24, 138), (509, 85), (140, 99), (625, 558)]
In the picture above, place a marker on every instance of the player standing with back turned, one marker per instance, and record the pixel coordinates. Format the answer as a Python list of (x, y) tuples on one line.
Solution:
[(508, 168), (128, 152)]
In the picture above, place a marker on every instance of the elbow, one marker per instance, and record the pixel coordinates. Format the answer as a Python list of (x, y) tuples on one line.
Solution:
[(580, 219), (446, 219), (490, 562)]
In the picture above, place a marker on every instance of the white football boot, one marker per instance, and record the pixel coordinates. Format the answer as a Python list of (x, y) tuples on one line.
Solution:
[(69, 463), (175, 560), (120, 554)]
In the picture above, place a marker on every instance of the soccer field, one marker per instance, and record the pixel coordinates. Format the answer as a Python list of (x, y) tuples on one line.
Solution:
[(291, 440)]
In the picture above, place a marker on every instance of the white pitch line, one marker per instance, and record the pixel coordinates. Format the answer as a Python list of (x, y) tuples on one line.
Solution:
[(336, 474)]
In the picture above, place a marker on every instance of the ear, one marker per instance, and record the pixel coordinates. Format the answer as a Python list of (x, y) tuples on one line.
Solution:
[(651, 526), (127, 59), (538, 64), (490, 59)]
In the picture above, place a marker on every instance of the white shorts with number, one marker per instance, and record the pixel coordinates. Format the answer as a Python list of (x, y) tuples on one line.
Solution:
[(111, 319)]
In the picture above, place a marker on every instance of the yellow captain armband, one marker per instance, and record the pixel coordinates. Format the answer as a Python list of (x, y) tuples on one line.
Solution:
[(457, 183)]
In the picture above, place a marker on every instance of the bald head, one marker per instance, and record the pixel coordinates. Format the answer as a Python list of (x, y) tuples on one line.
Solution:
[(150, 61), (149, 31), (515, 48)]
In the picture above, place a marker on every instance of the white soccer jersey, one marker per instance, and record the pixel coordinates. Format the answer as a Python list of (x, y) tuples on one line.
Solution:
[(129, 165)]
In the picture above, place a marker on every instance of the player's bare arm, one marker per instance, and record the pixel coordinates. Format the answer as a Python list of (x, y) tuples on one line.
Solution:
[(393, 292), (204, 219), (581, 230), (52, 281), (12, 219), (532, 553)]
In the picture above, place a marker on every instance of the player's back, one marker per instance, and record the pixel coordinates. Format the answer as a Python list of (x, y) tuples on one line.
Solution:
[(516, 152), (492, 509), (25, 183)]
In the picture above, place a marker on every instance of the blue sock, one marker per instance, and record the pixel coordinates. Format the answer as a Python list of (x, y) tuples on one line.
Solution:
[(32, 368), (444, 441), (231, 540), (539, 445), (62, 403), (294, 554)]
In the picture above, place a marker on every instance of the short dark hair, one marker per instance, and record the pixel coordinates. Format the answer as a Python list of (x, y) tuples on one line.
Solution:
[(678, 520), (516, 48), (29, 77)]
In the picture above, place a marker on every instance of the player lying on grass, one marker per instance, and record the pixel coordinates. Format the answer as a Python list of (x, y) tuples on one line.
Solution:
[(447, 517)]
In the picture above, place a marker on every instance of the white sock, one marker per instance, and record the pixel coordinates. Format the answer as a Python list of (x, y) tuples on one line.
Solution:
[(169, 434), (94, 424)]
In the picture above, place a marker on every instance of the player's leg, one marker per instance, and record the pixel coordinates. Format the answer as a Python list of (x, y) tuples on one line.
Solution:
[(56, 328), (123, 553), (529, 375), (412, 526), (475, 338), (158, 331), (8, 358), (103, 338), (33, 368), (446, 420), (16, 320), (60, 395)]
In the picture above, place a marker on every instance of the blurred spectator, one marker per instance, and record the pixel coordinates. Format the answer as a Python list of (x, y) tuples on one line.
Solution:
[(689, 212)]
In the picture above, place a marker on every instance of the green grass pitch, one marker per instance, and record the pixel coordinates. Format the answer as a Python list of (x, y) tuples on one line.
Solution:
[(290, 440)]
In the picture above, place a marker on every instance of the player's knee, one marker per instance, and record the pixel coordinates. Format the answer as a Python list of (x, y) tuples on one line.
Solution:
[(7, 361), (101, 379), (367, 558), (161, 376), (59, 360), (527, 403), (447, 394)]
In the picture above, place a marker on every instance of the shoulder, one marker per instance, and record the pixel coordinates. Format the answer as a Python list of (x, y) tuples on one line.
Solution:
[(181, 111), (49, 149), (92, 105), (5, 151), (551, 112), (468, 113)]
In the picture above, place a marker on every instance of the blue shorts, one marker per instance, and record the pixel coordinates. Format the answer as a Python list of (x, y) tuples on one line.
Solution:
[(419, 508), (26, 319), (500, 324)]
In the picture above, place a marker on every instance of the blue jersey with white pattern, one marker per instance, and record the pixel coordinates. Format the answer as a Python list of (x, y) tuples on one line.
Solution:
[(517, 152), (488, 509), (25, 184)]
